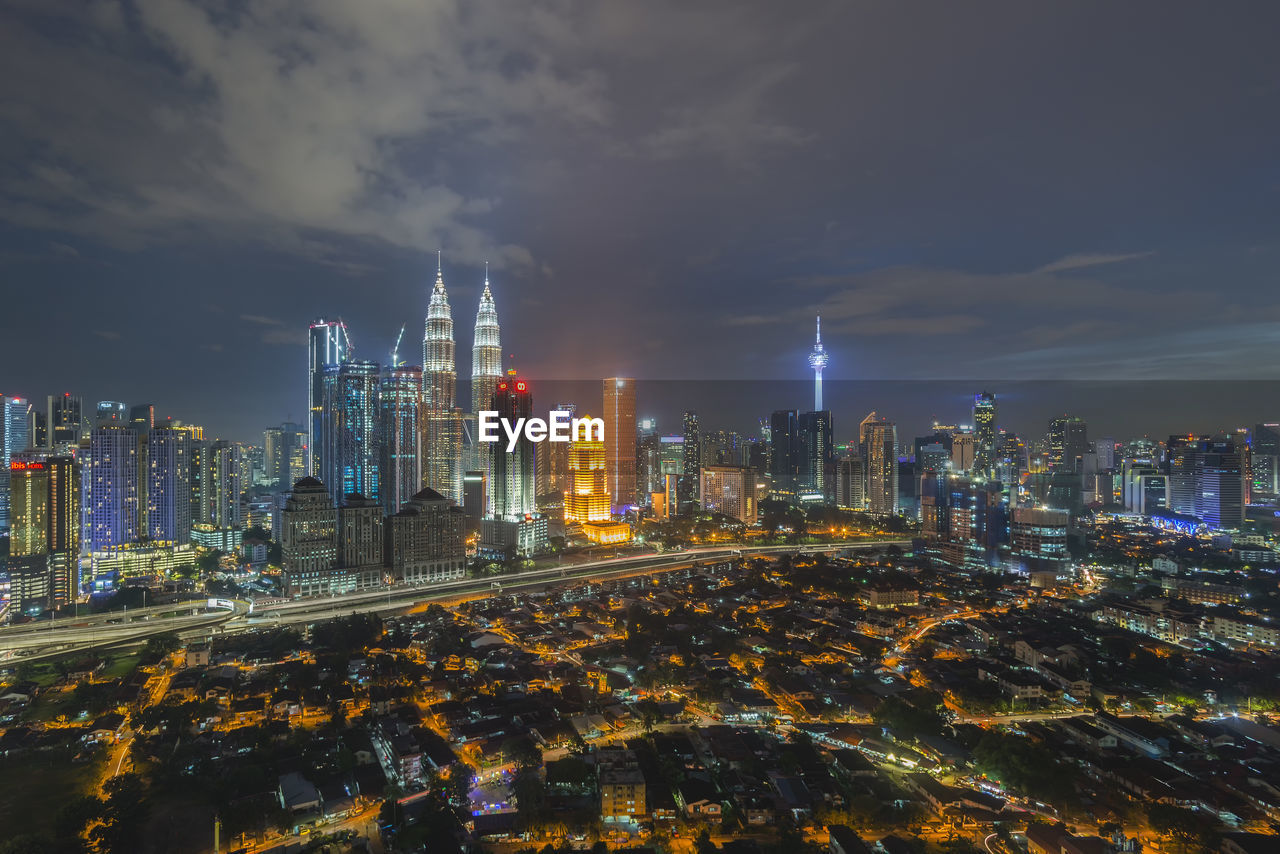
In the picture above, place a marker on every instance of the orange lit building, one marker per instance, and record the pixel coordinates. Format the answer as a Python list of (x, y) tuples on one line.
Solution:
[(587, 498)]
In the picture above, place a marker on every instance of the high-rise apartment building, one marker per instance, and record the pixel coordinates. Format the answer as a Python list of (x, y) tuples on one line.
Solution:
[(730, 491), (851, 492), (111, 511), (168, 485), (327, 346), (620, 439), (878, 438), (284, 455)]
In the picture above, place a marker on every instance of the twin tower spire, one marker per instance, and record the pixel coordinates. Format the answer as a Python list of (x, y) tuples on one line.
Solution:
[(439, 367)]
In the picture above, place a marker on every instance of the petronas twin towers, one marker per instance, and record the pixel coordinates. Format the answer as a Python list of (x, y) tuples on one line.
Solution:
[(443, 420)]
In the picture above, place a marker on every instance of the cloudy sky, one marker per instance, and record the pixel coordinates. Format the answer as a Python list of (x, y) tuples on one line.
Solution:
[(977, 191)]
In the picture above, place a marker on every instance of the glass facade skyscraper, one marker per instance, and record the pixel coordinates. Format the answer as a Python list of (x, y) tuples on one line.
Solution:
[(349, 430), (327, 345), (400, 417)]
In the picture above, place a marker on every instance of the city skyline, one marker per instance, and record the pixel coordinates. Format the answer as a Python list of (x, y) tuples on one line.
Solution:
[(901, 218)]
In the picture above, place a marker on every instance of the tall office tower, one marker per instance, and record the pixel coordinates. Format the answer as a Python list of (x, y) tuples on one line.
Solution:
[(692, 450), (309, 538), (112, 412), (284, 453), (168, 484), (64, 504), (349, 434), (786, 452), (142, 417), (15, 436), (475, 499), (587, 497), (1266, 459), (818, 453), (486, 351), (620, 439), (64, 421), (1206, 479), (274, 456), (29, 482), (964, 451), (730, 491), (28, 563), (851, 493), (400, 423), (426, 539), (111, 511), (513, 473), (442, 427), (1105, 451), (218, 485), (818, 360), (37, 428), (327, 346), (553, 462), (879, 440), (984, 433), (360, 532), (1068, 443)]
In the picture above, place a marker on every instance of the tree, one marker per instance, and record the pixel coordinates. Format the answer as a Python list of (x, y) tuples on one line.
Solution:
[(209, 561)]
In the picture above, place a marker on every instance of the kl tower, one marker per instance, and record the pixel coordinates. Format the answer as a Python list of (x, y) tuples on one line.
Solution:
[(818, 361)]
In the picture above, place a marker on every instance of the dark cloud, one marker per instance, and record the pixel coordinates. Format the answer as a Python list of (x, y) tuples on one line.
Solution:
[(665, 189)]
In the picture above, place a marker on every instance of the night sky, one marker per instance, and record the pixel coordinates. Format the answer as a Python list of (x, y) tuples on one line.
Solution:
[(983, 192)]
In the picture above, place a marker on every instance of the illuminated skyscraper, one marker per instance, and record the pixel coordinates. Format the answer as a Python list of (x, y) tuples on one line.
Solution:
[(284, 451), (441, 423), (142, 417), (327, 345), (111, 412), (692, 451), (349, 434), (879, 440), (553, 462), (817, 448), (786, 452), (486, 351), (984, 432), (1068, 443), (513, 473), (730, 491), (587, 498), (400, 417), (818, 360), (1206, 479), (64, 420), (168, 485), (620, 439), (112, 479), (439, 370), (15, 436)]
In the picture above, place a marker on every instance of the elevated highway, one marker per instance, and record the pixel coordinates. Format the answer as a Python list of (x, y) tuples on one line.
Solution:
[(38, 641)]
